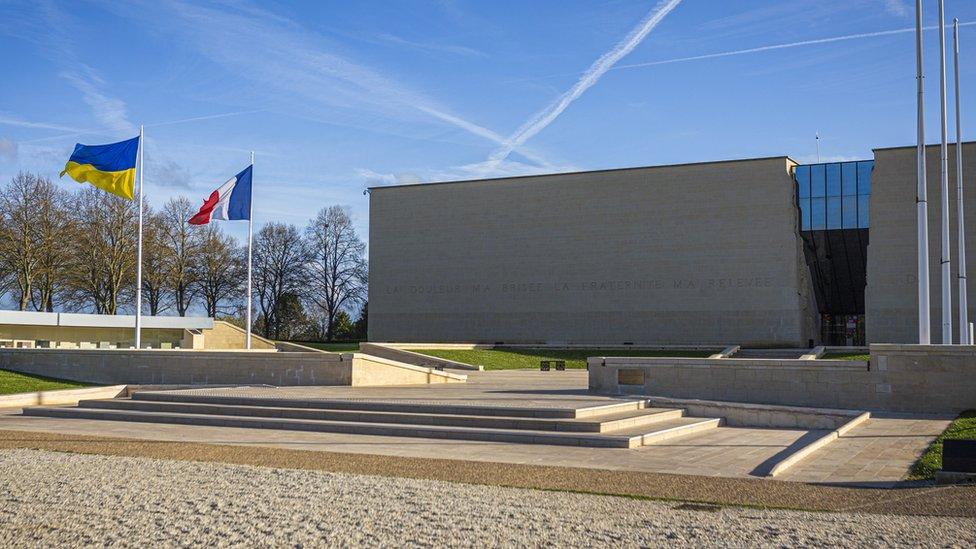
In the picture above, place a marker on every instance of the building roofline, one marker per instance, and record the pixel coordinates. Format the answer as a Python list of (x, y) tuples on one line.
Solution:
[(927, 145), (607, 170)]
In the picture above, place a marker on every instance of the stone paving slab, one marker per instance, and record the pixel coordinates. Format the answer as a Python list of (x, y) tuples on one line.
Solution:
[(523, 389), (722, 451), (880, 452)]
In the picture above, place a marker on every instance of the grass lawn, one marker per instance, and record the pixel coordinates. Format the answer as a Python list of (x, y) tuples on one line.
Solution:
[(13, 382), (331, 347), (963, 427), (846, 356), (516, 358)]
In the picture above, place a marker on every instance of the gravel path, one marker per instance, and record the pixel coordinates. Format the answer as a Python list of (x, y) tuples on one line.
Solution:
[(60, 499)]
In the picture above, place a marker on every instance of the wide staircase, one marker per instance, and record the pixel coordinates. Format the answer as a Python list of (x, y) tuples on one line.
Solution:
[(620, 424)]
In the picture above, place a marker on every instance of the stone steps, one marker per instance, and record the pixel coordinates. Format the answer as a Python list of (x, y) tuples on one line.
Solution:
[(604, 423), (627, 424), (395, 405)]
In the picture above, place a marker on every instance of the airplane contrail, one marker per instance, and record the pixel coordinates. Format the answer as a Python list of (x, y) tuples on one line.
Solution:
[(781, 46), (101, 131), (546, 116), (204, 117)]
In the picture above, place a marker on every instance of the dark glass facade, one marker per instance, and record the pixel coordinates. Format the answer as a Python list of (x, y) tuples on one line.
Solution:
[(834, 196), (833, 199)]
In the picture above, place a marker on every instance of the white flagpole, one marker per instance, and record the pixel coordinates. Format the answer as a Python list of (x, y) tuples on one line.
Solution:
[(964, 338), (921, 199), (142, 148), (944, 174), (250, 224)]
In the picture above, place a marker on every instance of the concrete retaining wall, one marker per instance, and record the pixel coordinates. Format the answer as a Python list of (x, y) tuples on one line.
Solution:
[(158, 367), (901, 378), (60, 396)]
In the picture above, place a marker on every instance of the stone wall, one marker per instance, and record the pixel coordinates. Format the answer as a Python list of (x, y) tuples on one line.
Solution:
[(891, 296), (158, 367), (898, 378), (692, 254), (225, 335)]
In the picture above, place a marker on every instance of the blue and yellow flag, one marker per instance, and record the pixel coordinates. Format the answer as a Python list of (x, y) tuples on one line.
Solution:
[(110, 167)]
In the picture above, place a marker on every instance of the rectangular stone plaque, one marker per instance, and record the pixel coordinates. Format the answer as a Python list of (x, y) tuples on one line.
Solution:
[(630, 376)]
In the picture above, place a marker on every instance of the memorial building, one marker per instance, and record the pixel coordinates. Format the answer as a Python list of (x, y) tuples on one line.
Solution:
[(758, 252)]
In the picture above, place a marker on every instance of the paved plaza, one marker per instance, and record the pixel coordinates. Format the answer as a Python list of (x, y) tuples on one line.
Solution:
[(879, 452)]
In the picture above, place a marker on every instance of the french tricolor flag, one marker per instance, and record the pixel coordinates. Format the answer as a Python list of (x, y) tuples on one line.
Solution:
[(231, 201)]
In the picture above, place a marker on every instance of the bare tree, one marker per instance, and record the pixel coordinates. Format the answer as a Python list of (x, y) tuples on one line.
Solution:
[(54, 227), (222, 269), (336, 264), (154, 252), (19, 245), (182, 243), (103, 266), (278, 261)]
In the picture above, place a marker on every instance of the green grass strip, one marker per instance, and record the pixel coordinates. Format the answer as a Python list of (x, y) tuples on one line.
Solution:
[(14, 382), (512, 358), (846, 356), (962, 428)]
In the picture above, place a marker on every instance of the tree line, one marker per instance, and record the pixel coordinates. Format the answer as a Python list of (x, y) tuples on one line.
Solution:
[(75, 250)]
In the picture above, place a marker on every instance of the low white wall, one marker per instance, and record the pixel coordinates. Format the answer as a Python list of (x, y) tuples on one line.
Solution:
[(900, 378), (60, 397), (170, 367)]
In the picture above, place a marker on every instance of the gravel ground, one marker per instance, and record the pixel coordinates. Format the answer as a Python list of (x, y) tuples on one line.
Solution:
[(61, 499)]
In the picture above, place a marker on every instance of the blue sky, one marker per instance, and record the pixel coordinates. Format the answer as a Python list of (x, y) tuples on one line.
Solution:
[(338, 96)]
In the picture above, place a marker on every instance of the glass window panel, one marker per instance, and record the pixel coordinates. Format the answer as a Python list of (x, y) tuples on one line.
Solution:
[(862, 211), (818, 214), (817, 180), (833, 180), (802, 175), (833, 213), (848, 172), (864, 176), (805, 214), (850, 212)]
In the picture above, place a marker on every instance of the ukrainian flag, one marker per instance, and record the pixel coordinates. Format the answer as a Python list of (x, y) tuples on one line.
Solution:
[(111, 168)]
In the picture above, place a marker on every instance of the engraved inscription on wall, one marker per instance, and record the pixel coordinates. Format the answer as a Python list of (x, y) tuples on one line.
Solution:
[(646, 285)]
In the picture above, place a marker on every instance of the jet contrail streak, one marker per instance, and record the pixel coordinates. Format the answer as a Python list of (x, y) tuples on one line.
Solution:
[(166, 123), (480, 131), (780, 46), (204, 117), (546, 116)]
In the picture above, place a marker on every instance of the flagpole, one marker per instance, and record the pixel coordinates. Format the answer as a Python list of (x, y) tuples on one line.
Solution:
[(964, 338), (944, 174), (250, 224), (921, 193), (142, 147)]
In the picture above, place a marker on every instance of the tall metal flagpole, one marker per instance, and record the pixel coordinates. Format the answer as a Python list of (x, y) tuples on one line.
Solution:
[(944, 199), (142, 152), (250, 224), (960, 214), (921, 200)]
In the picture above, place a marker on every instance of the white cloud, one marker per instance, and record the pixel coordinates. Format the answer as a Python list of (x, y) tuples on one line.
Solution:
[(297, 67), (8, 149), (898, 8), (108, 111)]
